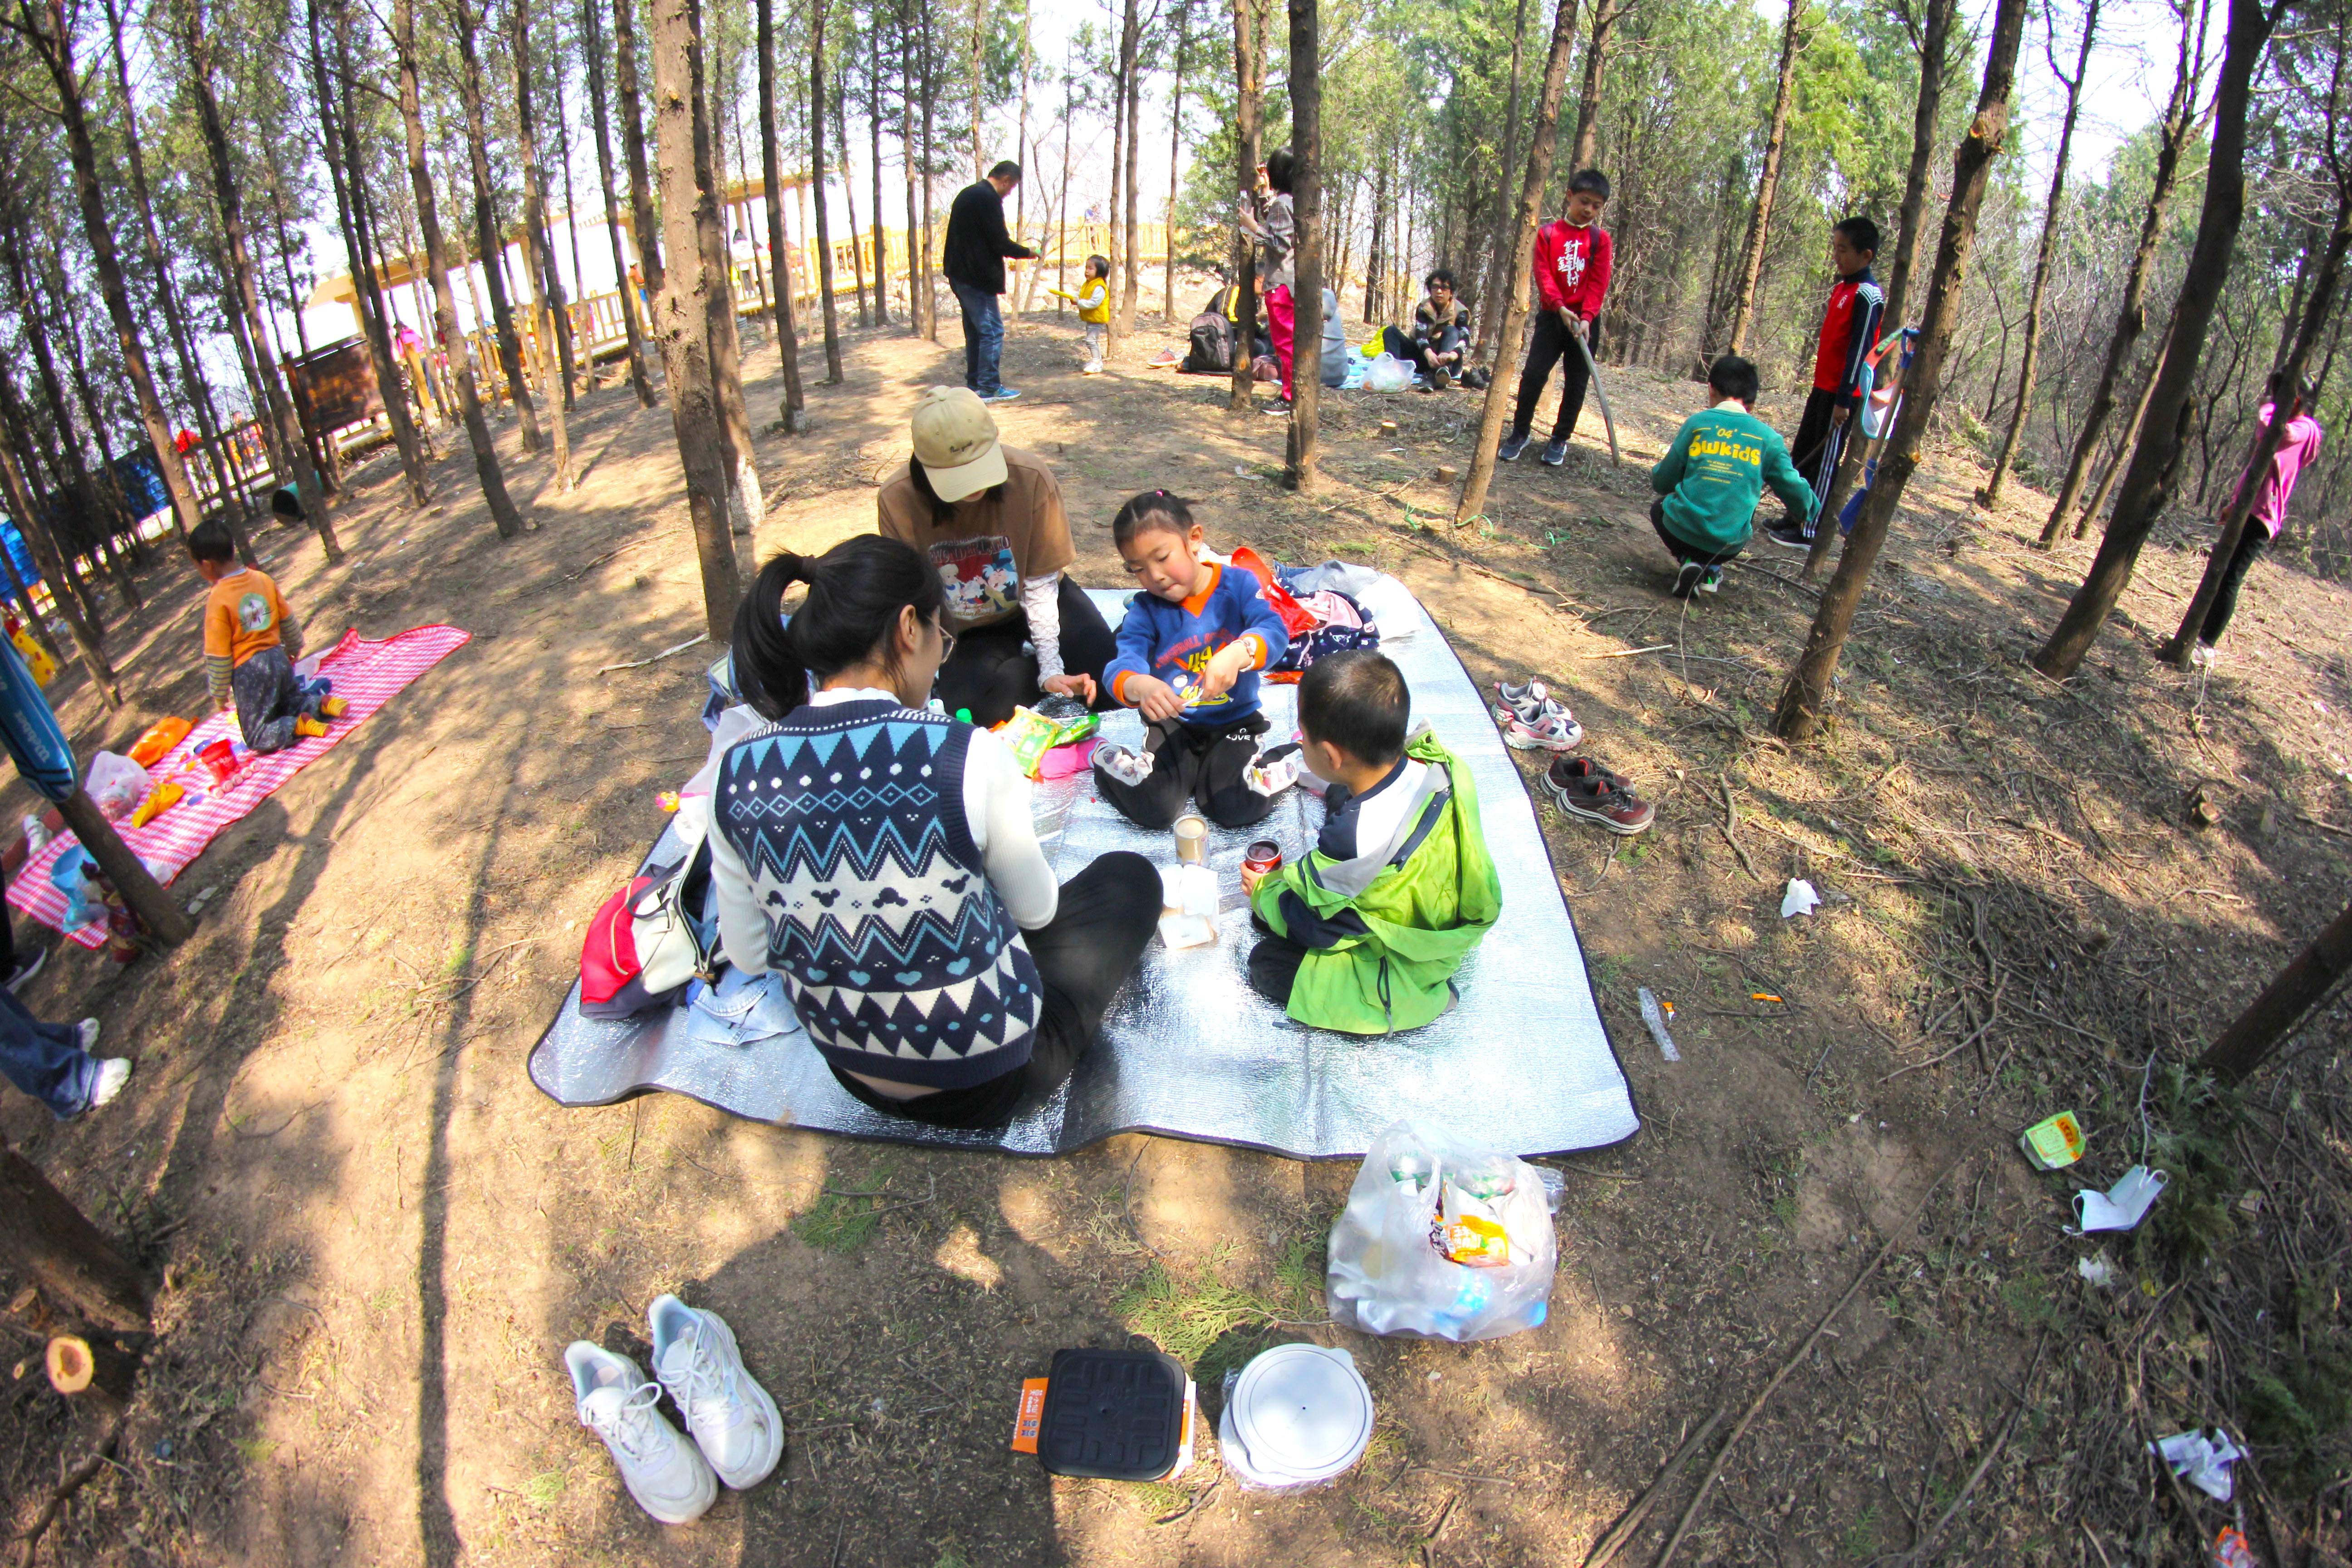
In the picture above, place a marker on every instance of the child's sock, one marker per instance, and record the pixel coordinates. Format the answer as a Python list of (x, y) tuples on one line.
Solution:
[(307, 727), (332, 708)]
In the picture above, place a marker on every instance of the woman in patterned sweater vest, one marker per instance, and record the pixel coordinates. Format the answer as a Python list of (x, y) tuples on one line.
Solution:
[(880, 856)]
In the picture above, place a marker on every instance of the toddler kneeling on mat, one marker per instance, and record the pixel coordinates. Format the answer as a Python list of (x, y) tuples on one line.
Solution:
[(1189, 653), (251, 641), (1365, 933)]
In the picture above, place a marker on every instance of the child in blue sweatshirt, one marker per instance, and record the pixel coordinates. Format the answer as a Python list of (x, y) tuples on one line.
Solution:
[(1189, 653)]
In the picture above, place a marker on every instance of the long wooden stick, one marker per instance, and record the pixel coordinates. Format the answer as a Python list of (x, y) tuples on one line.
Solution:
[(1604, 1551), (1722, 1455)]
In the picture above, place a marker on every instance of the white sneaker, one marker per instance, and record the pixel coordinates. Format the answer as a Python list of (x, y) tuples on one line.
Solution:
[(86, 1034), (2200, 655), (1275, 770), (736, 1425), (112, 1074), (1130, 768), (669, 1478)]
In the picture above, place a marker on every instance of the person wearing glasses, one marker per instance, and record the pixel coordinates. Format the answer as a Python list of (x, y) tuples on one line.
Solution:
[(989, 519), (879, 855)]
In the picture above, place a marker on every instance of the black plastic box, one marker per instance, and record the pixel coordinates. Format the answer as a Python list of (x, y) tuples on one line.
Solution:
[(1114, 1415)]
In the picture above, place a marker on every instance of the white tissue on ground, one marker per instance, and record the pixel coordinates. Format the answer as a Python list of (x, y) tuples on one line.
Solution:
[(2202, 1459), (1800, 899), (2122, 1205)]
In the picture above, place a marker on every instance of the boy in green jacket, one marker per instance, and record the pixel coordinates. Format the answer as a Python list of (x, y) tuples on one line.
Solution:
[(1710, 478), (1364, 935)]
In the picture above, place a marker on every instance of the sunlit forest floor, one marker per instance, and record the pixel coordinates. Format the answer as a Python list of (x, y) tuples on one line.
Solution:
[(376, 1237)]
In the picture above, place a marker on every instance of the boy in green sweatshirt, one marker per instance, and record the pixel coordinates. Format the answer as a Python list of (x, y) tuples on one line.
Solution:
[(1711, 478)]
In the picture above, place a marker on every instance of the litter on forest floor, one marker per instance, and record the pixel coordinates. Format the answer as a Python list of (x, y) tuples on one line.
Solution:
[(2202, 1458), (1654, 1013), (2052, 1142), (1800, 899), (2098, 1270), (2122, 1205)]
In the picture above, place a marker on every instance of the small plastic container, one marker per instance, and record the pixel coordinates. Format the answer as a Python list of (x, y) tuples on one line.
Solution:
[(2054, 1143), (1296, 1417), (218, 759)]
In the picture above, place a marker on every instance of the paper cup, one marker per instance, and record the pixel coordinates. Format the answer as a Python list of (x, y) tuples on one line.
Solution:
[(1192, 831)]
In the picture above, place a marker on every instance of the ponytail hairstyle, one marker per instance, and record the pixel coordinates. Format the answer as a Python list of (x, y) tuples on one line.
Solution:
[(1151, 509), (855, 591)]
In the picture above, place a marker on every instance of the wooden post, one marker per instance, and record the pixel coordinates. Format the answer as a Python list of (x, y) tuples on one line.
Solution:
[(156, 910), (2265, 1023), (77, 1267)]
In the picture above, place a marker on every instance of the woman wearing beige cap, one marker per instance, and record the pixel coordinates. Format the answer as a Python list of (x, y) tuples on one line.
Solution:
[(988, 517)]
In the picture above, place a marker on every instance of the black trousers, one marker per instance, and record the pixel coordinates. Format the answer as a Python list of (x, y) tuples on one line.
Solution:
[(1424, 356), (1274, 964), (1551, 346), (1812, 444), (1684, 551), (987, 672), (2250, 543), (1097, 937), (1193, 762)]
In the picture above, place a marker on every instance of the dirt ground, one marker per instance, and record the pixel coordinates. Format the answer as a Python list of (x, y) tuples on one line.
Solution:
[(375, 1237)]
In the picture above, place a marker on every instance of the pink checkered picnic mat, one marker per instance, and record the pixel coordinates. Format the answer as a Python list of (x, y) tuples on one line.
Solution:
[(367, 675)]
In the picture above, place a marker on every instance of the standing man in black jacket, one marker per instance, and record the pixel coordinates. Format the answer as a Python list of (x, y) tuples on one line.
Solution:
[(974, 255)]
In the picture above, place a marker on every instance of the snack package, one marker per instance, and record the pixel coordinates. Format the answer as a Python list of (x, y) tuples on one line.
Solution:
[(1030, 735), (163, 798), (1469, 1229)]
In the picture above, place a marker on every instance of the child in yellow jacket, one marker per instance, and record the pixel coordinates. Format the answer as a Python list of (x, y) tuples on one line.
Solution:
[(1093, 301)]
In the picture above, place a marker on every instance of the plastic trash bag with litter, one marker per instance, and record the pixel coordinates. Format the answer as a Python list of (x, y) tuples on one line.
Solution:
[(116, 783), (1444, 1240), (1387, 372)]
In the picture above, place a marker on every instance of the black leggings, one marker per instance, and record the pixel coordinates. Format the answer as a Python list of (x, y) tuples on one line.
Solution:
[(2250, 543), (1193, 762), (1422, 356), (987, 672), (1685, 553), (1552, 346), (1084, 955)]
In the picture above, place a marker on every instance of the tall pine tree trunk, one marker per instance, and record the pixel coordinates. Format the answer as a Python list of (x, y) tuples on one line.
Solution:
[(788, 341), (849, 192), (1250, 25), (503, 515), (2147, 483), (922, 305), (645, 222), (1541, 146), (2131, 319), (1768, 185), (1306, 194), (694, 291), (1586, 146), (51, 35), (31, 518), (489, 245), (1806, 696), (930, 164), (1933, 40), (2043, 255), (592, 46), (1175, 152), (1132, 265), (817, 9), (874, 128), (1500, 280), (548, 325)]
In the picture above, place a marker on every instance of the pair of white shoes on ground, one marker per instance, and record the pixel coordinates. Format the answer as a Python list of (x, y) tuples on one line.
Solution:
[(738, 1433)]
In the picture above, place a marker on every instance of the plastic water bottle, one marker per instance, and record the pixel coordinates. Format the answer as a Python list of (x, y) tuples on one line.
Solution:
[(1655, 1017)]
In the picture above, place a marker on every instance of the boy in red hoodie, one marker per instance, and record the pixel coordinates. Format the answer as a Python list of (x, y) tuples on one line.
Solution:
[(1571, 268), (1850, 325)]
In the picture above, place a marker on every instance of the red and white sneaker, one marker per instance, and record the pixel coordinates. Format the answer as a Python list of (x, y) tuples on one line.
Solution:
[(1551, 733)]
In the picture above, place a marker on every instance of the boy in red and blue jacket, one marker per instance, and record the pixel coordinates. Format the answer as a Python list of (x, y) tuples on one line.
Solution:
[(1189, 653), (1571, 268), (1849, 331)]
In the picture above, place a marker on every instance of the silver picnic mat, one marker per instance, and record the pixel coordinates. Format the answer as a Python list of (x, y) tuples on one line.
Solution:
[(1523, 1063)]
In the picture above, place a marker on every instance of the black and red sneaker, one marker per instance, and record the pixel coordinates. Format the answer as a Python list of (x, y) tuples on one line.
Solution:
[(1604, 799)]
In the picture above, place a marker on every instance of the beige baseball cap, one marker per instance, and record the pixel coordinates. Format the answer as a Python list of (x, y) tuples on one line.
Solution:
[(955, 440)]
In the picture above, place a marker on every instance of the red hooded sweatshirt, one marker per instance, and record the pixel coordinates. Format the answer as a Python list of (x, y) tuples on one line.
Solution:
[(1571, 268)]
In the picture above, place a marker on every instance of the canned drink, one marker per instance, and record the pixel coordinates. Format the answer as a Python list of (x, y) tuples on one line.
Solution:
[(1192, 838), (1264, 856)]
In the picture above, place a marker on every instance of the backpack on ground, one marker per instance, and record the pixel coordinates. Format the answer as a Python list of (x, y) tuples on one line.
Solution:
[(1213, 345), (651, 939)]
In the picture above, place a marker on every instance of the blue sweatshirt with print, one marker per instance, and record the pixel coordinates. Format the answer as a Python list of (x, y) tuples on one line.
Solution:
[(1174, 642)]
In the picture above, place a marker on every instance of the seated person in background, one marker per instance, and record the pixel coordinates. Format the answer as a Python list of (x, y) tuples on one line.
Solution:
[(989, 519), (1365, 933), (1189, 653), (1440, 336), (251, 641), (1709, 479)]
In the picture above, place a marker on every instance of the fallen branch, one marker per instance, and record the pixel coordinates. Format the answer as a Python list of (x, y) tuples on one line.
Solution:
[(1731, 829), (30, 1541), (1991, 1453), (1992, 1011), (1722, 1455), (1631, 652), (640, 663), (1630, 1522)]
